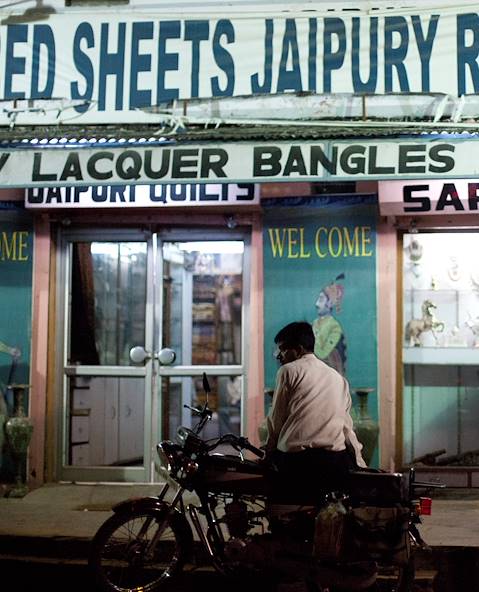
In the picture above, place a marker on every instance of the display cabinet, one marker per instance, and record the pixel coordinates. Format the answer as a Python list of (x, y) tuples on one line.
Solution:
[(106, 421), (215, 308), (440, 350), (205, 320)]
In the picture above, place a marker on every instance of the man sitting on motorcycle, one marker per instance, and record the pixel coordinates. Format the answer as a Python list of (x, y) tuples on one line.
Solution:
[(310, 436)]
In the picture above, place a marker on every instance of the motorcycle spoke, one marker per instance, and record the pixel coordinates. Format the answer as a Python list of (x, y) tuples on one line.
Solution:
[(126, 558)]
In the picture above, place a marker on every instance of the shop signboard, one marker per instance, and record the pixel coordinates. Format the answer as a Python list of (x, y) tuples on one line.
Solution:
[(320, 267), (143, 196), (127, 66), (242, 162), (425, 197)]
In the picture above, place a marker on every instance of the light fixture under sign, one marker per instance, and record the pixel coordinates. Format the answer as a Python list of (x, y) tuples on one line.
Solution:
[(39, 12)]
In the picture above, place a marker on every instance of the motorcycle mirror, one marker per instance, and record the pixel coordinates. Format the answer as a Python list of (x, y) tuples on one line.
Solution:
[(206, 385)]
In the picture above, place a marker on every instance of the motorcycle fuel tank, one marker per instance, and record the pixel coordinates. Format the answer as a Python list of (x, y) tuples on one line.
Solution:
[(230, 474)]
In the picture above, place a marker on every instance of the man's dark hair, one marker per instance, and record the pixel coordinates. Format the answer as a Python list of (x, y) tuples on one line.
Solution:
[(295, 334)]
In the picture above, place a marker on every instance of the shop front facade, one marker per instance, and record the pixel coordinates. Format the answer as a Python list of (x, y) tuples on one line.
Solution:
[(212, 283), (215, 283), (198, 199), (183, 279), (437, 232)]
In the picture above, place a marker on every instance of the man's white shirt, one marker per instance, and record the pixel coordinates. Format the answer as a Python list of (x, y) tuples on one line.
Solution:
[(311, 409)]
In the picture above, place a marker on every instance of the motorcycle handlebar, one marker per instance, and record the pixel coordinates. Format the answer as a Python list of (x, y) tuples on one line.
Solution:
[(245, 443), (195, 410), (240, 442)]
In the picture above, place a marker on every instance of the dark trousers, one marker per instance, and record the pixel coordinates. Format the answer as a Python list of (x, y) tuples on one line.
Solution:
[(310, 474)]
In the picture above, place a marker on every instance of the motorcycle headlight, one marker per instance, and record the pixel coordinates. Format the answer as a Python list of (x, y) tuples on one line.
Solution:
[(190, 442), (168, 455)]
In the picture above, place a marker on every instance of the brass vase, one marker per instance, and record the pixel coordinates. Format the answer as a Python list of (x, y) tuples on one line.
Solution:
[(19, 431), (3, 421), (367, 430)]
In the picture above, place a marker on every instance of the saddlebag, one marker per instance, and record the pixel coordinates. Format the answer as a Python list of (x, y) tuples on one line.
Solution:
[(366, 532), (379, 533), (377, 525)]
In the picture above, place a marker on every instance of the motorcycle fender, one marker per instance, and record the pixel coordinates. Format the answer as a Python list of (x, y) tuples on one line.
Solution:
[(135, 504), (178, 520)]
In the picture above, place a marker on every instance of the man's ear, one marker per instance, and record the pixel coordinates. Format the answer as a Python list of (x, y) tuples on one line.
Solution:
[(300, 351)]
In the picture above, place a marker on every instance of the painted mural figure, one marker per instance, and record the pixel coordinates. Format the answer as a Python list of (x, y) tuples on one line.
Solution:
[(330, 343)]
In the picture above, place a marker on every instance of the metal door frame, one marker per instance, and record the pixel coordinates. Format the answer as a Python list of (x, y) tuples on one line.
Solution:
[(151, 372), (183, 234), (65, 471)]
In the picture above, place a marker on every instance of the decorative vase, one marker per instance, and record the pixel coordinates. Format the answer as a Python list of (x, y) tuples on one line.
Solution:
[(19, 430), (367, 430), (3, 421)]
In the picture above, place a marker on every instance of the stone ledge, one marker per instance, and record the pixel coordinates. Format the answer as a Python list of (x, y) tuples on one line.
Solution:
[(451, 476)]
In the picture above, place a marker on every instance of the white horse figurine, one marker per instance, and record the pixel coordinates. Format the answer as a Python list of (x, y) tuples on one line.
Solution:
[(473, 324), (428, 322)]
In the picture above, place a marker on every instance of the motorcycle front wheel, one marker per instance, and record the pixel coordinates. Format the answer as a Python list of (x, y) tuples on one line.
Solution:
[(136, 551)]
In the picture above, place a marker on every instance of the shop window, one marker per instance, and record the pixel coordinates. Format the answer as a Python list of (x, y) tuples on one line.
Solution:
[(441, 348)]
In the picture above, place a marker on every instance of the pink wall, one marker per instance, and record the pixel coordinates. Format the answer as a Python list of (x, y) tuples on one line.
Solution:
[(387, 270), (39, 360), (255, 396)]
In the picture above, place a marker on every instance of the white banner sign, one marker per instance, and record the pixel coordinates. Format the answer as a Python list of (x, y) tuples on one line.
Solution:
[(422, 197), (145, 164), (113, 68), (142, 196)]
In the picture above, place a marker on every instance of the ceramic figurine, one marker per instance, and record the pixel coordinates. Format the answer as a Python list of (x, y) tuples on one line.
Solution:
[(428, 322), (473, 325)]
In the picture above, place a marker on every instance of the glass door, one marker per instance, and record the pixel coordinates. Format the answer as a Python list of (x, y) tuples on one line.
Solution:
[(203, 309), (126, 289), (108, 309)]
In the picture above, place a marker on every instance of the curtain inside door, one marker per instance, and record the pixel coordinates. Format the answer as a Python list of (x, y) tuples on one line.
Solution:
[(83, 346)]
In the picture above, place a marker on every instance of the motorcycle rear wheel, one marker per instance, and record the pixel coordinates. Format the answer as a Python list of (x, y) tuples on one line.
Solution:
[(405, 581), (398, 579), (121, 557)]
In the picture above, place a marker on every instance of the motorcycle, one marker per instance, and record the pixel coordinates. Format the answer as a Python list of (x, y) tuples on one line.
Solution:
[(342, 541)]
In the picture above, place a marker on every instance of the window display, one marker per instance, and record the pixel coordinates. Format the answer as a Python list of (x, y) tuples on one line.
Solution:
[(440, 348)]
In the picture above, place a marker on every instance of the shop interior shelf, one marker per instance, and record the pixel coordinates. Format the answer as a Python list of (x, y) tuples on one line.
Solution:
[(455, 356)]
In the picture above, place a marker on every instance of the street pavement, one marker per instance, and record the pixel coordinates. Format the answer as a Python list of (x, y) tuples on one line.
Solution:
[(45, 536)]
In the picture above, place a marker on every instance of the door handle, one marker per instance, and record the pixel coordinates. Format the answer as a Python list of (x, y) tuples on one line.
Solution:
[(166, 356), (138, 354)]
